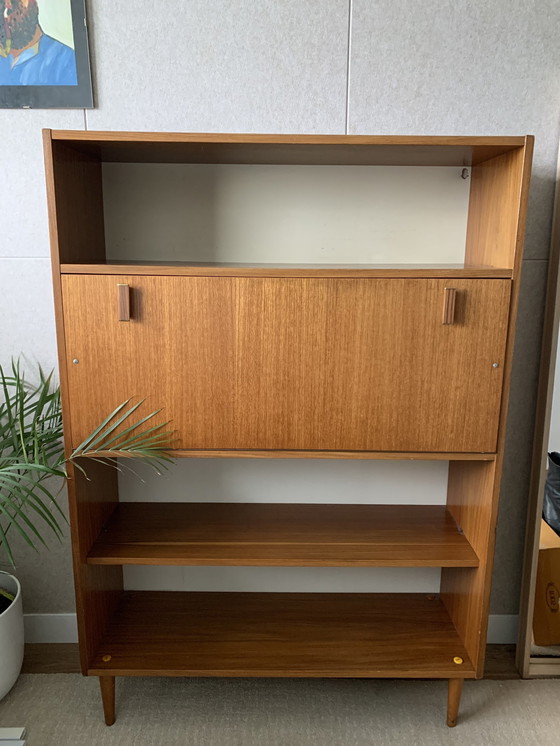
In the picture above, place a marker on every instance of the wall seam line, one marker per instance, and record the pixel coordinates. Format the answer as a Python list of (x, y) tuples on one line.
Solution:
[(348, 57)]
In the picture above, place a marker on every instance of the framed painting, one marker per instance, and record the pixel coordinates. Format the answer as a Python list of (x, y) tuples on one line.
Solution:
[(44, 55)]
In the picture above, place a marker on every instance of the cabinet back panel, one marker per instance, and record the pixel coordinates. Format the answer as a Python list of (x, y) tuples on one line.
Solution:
[(285, 214), (284, 579), (241, 480), (321, 364)]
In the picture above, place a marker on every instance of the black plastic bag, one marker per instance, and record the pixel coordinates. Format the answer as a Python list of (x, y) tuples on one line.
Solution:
[(551, 505)]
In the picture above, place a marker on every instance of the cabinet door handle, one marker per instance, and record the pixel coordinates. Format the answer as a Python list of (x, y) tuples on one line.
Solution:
[(449, 298), (123, 302)]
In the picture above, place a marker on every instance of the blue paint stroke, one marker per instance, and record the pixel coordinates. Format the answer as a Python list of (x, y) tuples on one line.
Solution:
[(49, 62)]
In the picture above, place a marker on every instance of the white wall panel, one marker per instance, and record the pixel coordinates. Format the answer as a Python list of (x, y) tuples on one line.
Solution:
[(27, 313), (462, 67), (227, 65), (24, 230)]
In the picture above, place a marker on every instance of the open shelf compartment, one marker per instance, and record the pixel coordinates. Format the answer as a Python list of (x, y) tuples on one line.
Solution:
[(276, 199), (244, 534), (281, 634)]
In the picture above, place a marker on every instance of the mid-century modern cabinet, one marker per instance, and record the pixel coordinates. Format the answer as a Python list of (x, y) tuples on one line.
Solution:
[(271, 359)]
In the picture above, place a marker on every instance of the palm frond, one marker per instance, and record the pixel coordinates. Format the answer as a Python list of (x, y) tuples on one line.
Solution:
[(110, 441), (33, 467)]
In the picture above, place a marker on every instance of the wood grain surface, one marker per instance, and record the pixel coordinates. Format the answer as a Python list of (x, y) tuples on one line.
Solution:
[(454, 691), (63, 658), (234, 269), (495, 234), (496, 206), (242, 534), (292, 364), (281, 634), (91, 500), (471, 500), (107, 686), (351, 455), (498, 141), (179, 147), (75, 198)]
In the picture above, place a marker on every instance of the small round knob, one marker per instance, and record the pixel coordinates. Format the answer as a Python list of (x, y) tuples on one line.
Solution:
[(495, 365), (106, 658), (458, 660), (75, 361)]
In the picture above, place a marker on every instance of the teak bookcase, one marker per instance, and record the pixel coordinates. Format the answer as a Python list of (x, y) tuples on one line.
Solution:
[(289, 361)]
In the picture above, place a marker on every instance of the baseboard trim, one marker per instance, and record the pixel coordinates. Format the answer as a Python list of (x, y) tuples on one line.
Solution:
[(50, 628), (502, 628)]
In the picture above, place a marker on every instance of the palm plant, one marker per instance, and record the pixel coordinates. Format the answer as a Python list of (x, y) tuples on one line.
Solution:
[(33, 466)]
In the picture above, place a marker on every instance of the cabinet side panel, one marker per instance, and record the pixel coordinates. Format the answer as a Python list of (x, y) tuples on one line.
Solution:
[(495, 235), (472, 500), (76, 231), (75, 207), (497, 209), (77, 199), (96, 496), (98, 589), (57, 285)]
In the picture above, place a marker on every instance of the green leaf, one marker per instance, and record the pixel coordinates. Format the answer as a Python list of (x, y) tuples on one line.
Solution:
[(90, 441), (14, 491), (32, 452), (106, 442)]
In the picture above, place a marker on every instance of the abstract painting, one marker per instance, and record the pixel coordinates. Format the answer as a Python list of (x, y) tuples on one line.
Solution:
[(44, 55)]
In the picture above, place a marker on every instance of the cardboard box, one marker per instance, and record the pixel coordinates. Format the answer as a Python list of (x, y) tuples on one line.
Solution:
[(546, 621)]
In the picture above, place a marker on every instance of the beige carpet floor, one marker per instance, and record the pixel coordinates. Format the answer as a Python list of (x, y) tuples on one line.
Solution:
[(65, 709)]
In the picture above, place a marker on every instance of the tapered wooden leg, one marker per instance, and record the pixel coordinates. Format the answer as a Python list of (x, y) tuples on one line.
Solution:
[(107, 684), (454, 691)]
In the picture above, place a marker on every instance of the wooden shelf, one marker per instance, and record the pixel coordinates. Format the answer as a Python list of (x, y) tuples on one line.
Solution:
[(349, 455), (233, 269), (243, 534), (166, 633)]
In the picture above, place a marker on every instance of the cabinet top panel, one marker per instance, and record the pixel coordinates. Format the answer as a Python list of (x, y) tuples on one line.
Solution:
[(384, 150)]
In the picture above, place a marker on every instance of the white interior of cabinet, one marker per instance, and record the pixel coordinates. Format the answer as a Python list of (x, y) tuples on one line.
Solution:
[(287, 214), (284, 579)]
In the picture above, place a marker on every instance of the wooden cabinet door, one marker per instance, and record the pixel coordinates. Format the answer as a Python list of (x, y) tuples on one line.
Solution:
[(293, 363), (176, 352), (367, 364)]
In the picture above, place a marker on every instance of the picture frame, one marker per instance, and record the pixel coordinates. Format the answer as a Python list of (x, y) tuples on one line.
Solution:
[(50, 67)]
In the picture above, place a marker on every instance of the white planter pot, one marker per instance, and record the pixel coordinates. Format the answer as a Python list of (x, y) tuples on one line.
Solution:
[(11, 635)]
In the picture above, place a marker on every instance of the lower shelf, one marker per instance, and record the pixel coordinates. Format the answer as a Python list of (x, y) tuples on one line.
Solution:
[(270, 534), (281, 634)]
